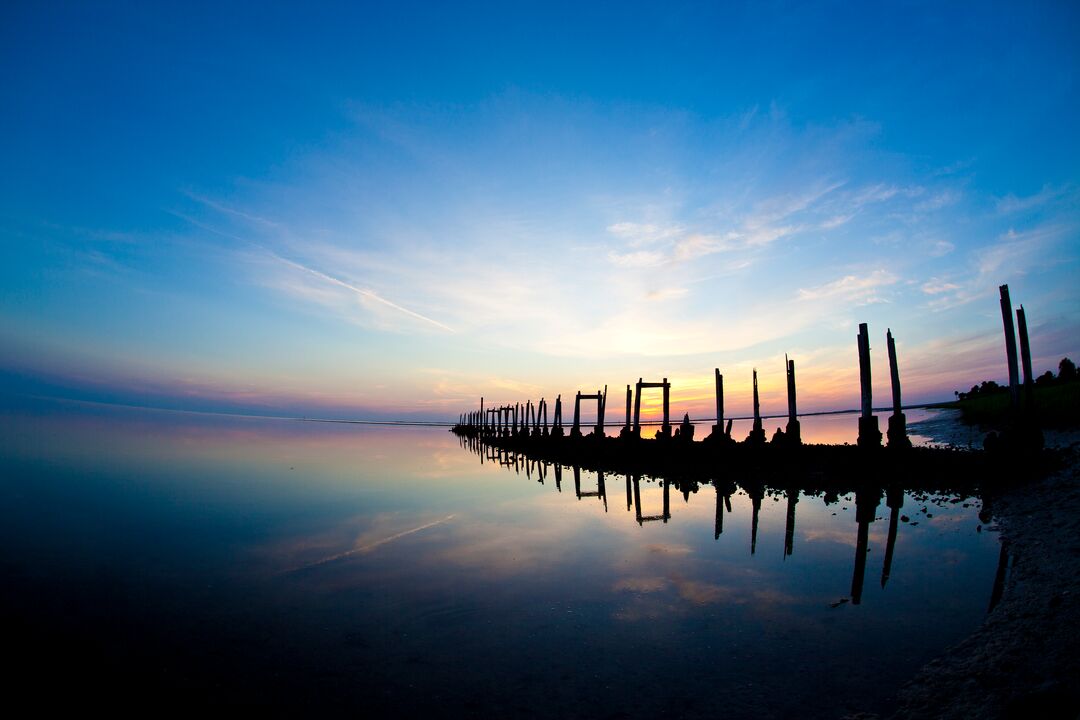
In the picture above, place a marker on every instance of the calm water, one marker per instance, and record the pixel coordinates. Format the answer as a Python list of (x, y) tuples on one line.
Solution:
[(184, 559)]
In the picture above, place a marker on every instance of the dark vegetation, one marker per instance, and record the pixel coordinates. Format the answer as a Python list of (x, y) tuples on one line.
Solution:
[(1055, 399)]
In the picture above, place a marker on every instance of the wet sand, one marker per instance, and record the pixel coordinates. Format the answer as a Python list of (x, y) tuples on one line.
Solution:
[(1024, 662)]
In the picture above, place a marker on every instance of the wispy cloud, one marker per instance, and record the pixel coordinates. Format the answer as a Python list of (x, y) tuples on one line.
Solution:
[(364, 293), (852, 288), (1015, 204)]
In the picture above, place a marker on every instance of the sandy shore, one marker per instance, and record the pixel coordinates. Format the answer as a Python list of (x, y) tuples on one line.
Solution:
[(1024, 662)]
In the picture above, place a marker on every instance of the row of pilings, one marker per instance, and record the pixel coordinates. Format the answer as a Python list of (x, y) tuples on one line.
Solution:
[(530, 420)]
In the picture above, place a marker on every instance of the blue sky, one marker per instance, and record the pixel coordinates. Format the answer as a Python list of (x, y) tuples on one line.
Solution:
[(389, 210)]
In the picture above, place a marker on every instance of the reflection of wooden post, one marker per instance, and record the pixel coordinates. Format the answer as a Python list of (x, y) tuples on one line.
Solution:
[(1025, 358), (866, 503), (577, 481), (558, 476), (869, 435), (789, 525), (667, 495), (637, 410), (718, 524), (629, 498), (601, 487), (637, 500), (794, 433), (755, 504), (897, 421), (999, 577), (894, 499)]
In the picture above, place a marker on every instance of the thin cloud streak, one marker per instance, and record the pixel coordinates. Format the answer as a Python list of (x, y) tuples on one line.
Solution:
[(360, 291)]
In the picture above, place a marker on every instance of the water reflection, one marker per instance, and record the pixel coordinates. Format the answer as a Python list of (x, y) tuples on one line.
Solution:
[(867, 501), (320, 569)]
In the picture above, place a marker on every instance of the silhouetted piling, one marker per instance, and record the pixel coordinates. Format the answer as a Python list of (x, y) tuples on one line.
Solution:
[(794, 431), (897, 421), (1010, 349), (1025, 359), (869, 434), (757, 434), (718, 427)]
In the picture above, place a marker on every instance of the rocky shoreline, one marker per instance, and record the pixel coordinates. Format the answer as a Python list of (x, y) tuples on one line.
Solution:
[(1024, 661)]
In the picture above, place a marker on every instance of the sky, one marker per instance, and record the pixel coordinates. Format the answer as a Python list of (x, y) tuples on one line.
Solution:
[(390, 210)]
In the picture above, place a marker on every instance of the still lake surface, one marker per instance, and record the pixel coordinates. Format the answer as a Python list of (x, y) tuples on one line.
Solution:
[(169, 560)]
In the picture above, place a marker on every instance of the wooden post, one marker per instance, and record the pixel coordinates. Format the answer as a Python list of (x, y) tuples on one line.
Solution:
[(757, 433), (1025, 358), (794, 432), (556, 421), (637, 410), (1010, 348), (719, 401), (626, 427), (575, 431), (600, 413), (897, 421), (869, 435), (665, 429)]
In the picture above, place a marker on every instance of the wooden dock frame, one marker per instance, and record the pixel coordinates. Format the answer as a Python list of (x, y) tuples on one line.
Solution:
[(600, 398), (665, 429)]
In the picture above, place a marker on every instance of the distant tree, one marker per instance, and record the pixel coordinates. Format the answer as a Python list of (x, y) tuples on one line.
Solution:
[(1066, 370), (1047, 378)]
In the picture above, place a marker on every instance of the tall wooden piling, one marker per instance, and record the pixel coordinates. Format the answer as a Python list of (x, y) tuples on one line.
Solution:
[(575, 430), (665, 429), (637, 408), (757, 433), (556, 421), (794, 431), (1025, 359), (1010, 348), (626, 426), (897, 421), (869, 434), (718, 427), (600, 411)]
